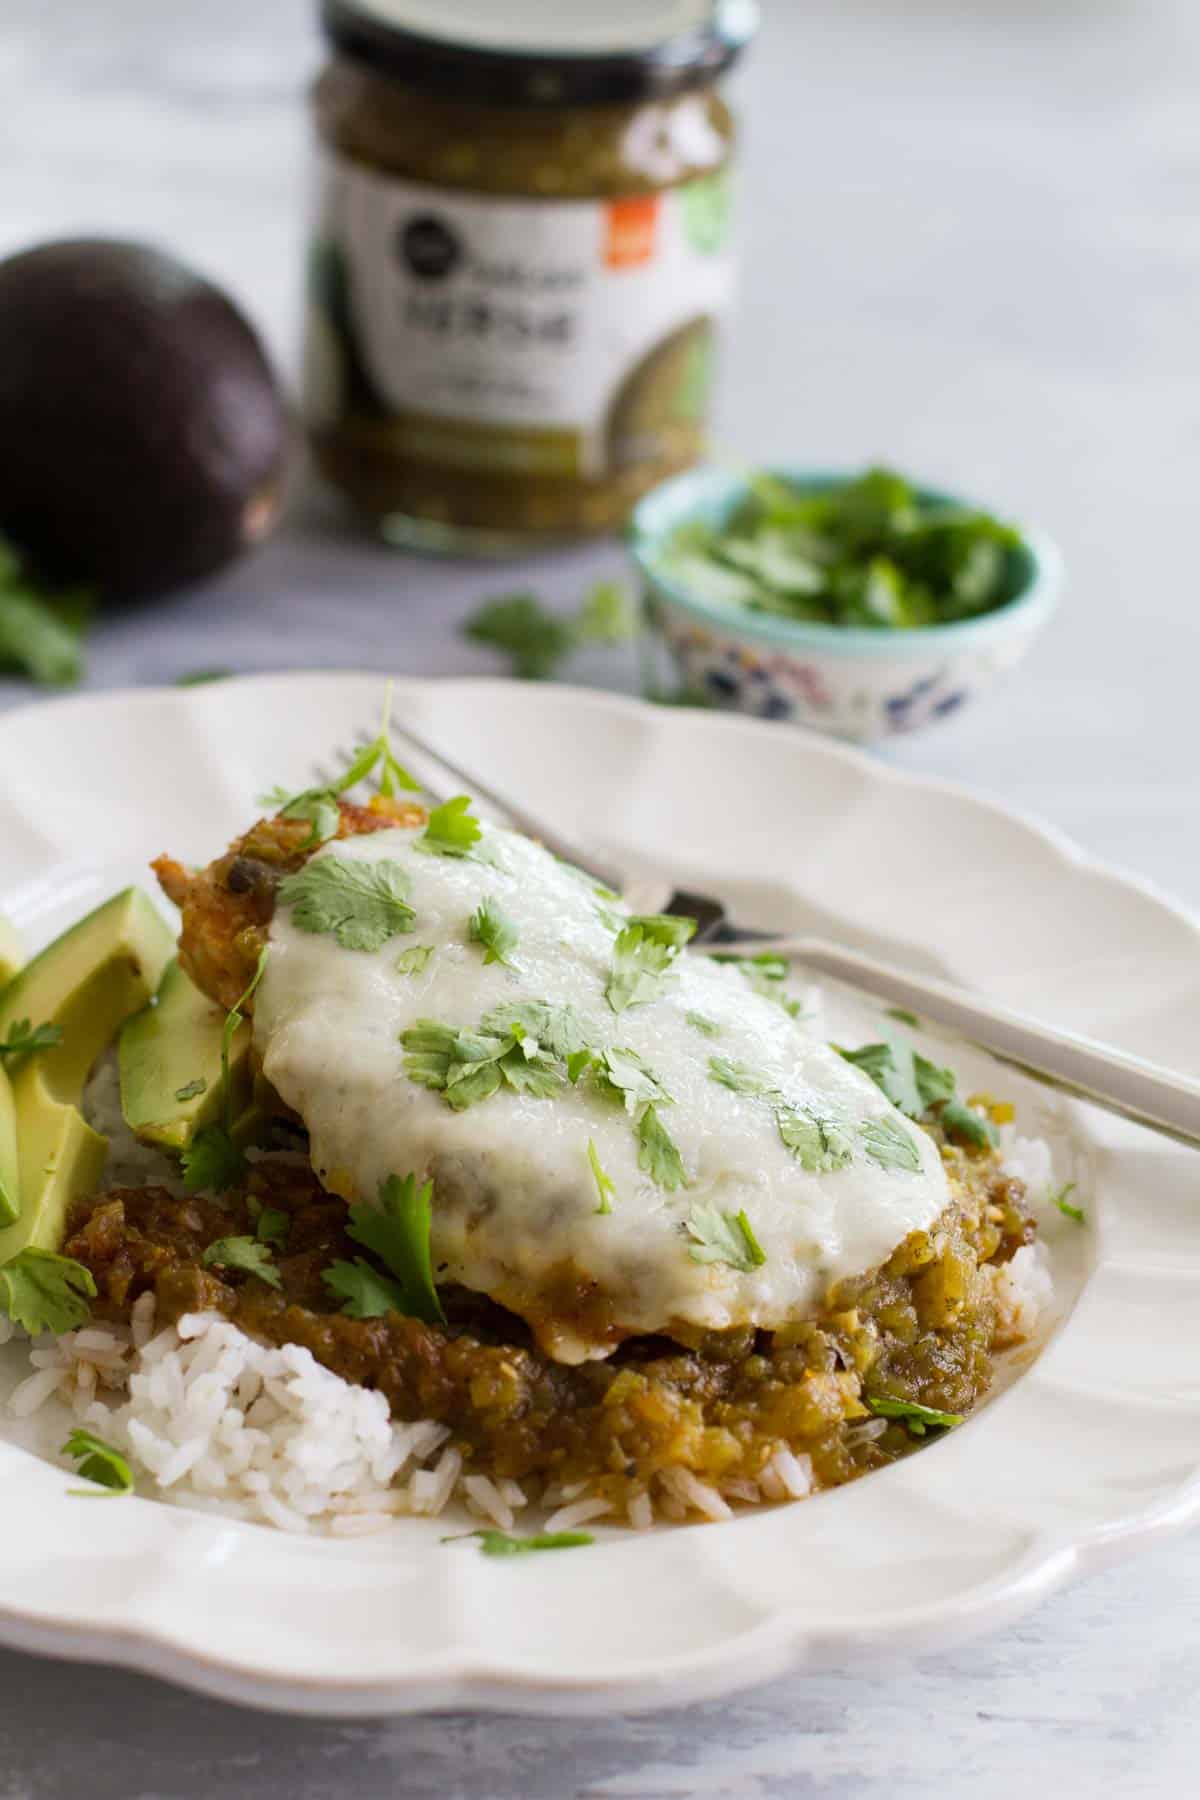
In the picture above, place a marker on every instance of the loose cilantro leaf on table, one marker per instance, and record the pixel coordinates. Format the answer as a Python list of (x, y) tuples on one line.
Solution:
[(98, 1462), (610, 614), (502, 1543), (658, 1155), (724, 1237), (245, 1255), (918, 1419), (412, 962), (518, 625), (605, 1187), (819, 1145), (40, 628), (452, 829), (642, 957), (1059, 1198), (886, 1143), (537, 641), (495, 932), (359, 904), (23, 1038), (41, 1291)]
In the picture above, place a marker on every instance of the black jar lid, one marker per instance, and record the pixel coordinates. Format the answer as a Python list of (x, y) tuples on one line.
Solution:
[(544, 52)]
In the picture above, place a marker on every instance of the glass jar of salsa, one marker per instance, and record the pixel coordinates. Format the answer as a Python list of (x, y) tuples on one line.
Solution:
[(521, 256)]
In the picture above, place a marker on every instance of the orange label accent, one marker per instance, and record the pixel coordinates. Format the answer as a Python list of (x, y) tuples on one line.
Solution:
[(632, 231)]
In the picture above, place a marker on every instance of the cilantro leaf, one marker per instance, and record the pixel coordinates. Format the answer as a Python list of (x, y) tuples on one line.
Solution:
[(245, 1255), (558, 1027), (192, 1090), (397, 1230), (364, 1291), (41, 1291), (492, 928), (23, 1038), (35, 637), (908, 1079), (212, 1161), (1058, 1198), (98, 1462), (605, 1187), (517, 624), (705, 1026), (610, 614), (624, 1070), (903, 1015), (201, 677), (917, 1418), (724, 1237), (413, 962), (502, 1543), (272, 1225), (658, 1155), (766, 974), (819, 1145), (872, 552), (469, 1066), (317, 806), (965, 1125), (360, 904), (886, 1143), (737, 1077), (451, 829), (642, 957)]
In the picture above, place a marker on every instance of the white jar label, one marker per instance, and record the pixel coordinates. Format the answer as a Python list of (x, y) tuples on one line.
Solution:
[(568, 338)]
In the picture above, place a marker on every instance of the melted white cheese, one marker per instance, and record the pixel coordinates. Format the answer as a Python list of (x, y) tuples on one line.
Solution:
[(515, 1201)]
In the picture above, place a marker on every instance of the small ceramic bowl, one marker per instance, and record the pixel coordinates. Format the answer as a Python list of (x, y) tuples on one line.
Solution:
[(851, 682)]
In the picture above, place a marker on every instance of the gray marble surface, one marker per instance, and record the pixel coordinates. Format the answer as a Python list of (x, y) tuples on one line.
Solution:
[(973, 247)]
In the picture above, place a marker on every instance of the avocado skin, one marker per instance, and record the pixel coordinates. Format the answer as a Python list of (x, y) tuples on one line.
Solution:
[(143, 436)]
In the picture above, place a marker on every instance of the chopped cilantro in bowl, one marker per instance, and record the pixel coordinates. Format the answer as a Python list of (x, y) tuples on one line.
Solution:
[(859, 605)]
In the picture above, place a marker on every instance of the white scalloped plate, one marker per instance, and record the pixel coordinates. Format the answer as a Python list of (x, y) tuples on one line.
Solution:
[(1091, 1447)]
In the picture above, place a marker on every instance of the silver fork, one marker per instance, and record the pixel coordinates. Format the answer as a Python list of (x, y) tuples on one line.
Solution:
[(1135, 1089)]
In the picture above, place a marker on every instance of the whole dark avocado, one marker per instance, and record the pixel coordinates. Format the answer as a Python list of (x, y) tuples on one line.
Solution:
[(143, 436)]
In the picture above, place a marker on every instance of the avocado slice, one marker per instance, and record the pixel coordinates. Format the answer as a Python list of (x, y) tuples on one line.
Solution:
[(87, 983), (10, 1182), (12, 955), (168, 1048)]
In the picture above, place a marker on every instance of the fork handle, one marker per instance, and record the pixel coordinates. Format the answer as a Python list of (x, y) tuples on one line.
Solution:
[(1142, 1091), (515, 815)]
